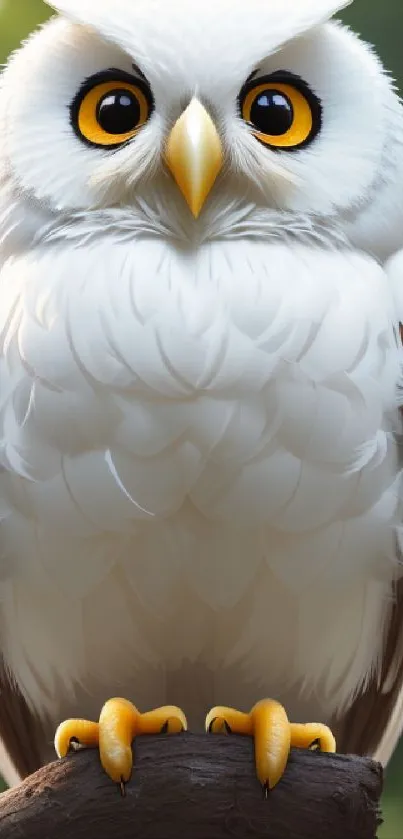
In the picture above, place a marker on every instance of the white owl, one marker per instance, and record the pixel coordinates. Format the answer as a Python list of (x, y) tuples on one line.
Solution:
[(200, 489)]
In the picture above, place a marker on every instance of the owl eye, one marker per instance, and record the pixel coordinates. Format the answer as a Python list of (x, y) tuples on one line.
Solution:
[(110, 108), (282, 111)]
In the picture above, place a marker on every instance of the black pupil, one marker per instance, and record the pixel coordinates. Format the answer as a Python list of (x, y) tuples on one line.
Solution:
[(118, 112), (272, 113)]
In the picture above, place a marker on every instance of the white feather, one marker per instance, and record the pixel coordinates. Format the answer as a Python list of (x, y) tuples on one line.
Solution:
[(177, 438)]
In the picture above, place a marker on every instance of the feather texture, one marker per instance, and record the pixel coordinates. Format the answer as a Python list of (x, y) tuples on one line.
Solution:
[(160, 411)]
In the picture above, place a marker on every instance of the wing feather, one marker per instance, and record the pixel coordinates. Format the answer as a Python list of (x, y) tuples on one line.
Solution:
[(22, 735), (374, 723)]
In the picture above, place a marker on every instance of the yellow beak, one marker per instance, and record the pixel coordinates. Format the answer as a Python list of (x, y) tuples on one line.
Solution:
[(194, 155)]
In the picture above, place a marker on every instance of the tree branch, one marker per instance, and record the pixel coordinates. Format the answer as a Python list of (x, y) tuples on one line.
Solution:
[(196, 786)]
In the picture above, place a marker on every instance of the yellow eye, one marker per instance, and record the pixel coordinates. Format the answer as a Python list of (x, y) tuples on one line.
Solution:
[(282, 111), (110, 109)]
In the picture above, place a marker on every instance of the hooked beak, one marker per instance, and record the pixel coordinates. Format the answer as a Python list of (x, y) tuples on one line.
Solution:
[(194, 155)]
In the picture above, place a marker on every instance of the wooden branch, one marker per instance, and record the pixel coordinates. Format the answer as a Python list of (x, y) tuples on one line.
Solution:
[(196, 787)]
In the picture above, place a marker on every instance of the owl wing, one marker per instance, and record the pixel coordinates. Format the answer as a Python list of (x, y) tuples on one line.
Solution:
[(20, 732), (374, 723)]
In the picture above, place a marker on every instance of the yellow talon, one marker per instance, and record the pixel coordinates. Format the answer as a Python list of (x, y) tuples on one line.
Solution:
[(117, 729), (273, 735), (168, 720), (305, 736), (119, 723), (272, 741), (221, 720), (82, 732)]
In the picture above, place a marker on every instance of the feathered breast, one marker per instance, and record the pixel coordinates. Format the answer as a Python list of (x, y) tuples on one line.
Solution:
[(257, 380)]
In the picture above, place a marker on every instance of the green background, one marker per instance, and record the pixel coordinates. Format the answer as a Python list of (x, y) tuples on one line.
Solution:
[(380, 23)]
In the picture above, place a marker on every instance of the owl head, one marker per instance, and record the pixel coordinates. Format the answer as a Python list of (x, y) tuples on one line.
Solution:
[(203, 117)]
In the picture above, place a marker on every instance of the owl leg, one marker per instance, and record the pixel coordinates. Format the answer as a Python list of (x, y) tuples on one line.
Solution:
[(273, 736), (119, 723)]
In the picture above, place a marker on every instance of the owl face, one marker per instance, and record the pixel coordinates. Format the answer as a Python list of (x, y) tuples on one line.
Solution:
[(192, 108)]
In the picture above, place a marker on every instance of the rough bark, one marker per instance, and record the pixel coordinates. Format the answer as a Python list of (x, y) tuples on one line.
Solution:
[(198, 787)]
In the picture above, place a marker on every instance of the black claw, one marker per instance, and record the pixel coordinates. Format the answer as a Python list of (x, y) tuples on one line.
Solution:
[(315, 745), (164, 728), (227, 727), (210, 728)]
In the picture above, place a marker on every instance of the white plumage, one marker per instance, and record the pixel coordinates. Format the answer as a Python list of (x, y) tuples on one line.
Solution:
[(200, 496)]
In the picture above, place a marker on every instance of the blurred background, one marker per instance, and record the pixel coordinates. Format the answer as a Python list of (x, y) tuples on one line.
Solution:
[(381, 23)]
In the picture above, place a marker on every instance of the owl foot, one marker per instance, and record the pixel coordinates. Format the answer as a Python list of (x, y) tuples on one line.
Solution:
[(273, 736), (119, 723)]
